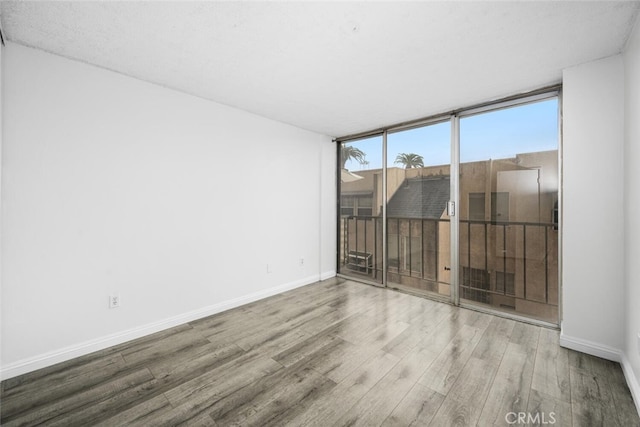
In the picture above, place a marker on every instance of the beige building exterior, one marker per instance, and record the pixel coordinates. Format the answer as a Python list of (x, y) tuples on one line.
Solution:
[(508, 231)]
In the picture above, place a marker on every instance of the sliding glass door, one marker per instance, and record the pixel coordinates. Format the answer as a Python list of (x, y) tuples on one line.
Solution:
[(418, 191), (462, 208), (508, 242)]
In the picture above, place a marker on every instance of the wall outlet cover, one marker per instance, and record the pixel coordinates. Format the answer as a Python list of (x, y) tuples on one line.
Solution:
[(114, 301)]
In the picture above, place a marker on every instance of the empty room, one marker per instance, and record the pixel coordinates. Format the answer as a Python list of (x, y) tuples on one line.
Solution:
[(327, 213)]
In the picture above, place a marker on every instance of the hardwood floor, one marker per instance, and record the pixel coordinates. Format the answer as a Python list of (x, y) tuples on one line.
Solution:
[(332, 353)]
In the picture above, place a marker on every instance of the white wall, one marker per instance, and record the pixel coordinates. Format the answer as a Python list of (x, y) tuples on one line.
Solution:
[(328, 206), (1, 145), (632, 211), (593, 229), (111, 184)]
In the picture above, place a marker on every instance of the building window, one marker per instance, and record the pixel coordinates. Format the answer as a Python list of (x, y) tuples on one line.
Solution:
[(499, 206), (361, 205), (476, 206), (365, 205), (475, 284), (346, 206)]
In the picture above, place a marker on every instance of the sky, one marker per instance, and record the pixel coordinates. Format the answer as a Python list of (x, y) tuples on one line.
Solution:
[(494, 135)]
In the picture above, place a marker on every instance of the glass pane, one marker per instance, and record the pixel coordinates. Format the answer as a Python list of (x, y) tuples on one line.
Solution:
[(509, 254), (418, 189), (360, 244)]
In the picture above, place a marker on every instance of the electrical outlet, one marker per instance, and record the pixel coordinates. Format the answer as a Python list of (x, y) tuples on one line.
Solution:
[(114, 301), (301, 261), (269, 268)]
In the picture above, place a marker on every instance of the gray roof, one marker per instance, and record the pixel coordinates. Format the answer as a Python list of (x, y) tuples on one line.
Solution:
[(424, 197)]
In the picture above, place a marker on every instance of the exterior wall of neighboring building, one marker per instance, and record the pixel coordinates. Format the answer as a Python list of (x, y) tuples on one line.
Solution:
[(371, 183), (522, 249)]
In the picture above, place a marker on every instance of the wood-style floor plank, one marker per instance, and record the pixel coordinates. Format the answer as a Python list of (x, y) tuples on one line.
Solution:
[(551, 369), (217, 383), (273, 400), (466, 400), (332, 353), (22, 397), (423, 325), (510, 389), (444, 371), (462, 406), (417, 408), (85, 406), (546, 408), (380, 401), (623, 402), (328, 409), (139, 415)]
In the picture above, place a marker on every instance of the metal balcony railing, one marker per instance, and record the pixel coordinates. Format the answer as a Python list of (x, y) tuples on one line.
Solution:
[(500, 262)]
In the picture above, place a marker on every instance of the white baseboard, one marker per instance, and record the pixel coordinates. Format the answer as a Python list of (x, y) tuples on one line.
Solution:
[(327, 275), (590, 347), (61, 355), (609, 353)]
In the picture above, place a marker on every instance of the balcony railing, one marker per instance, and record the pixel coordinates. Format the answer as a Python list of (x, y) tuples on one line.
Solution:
[(509, 265)]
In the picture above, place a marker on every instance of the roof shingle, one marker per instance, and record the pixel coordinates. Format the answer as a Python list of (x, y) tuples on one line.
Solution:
[(424, 197)]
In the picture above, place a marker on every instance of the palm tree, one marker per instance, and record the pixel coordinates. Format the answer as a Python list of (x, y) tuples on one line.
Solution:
[(349, 152), (410, 160)]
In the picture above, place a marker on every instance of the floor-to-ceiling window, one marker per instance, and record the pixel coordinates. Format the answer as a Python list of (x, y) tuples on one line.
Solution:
[(418, 191), (508, 242), (496, 168), (360, 239)]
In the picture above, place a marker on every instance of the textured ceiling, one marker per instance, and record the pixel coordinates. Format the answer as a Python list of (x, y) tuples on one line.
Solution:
[(332, 67)]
